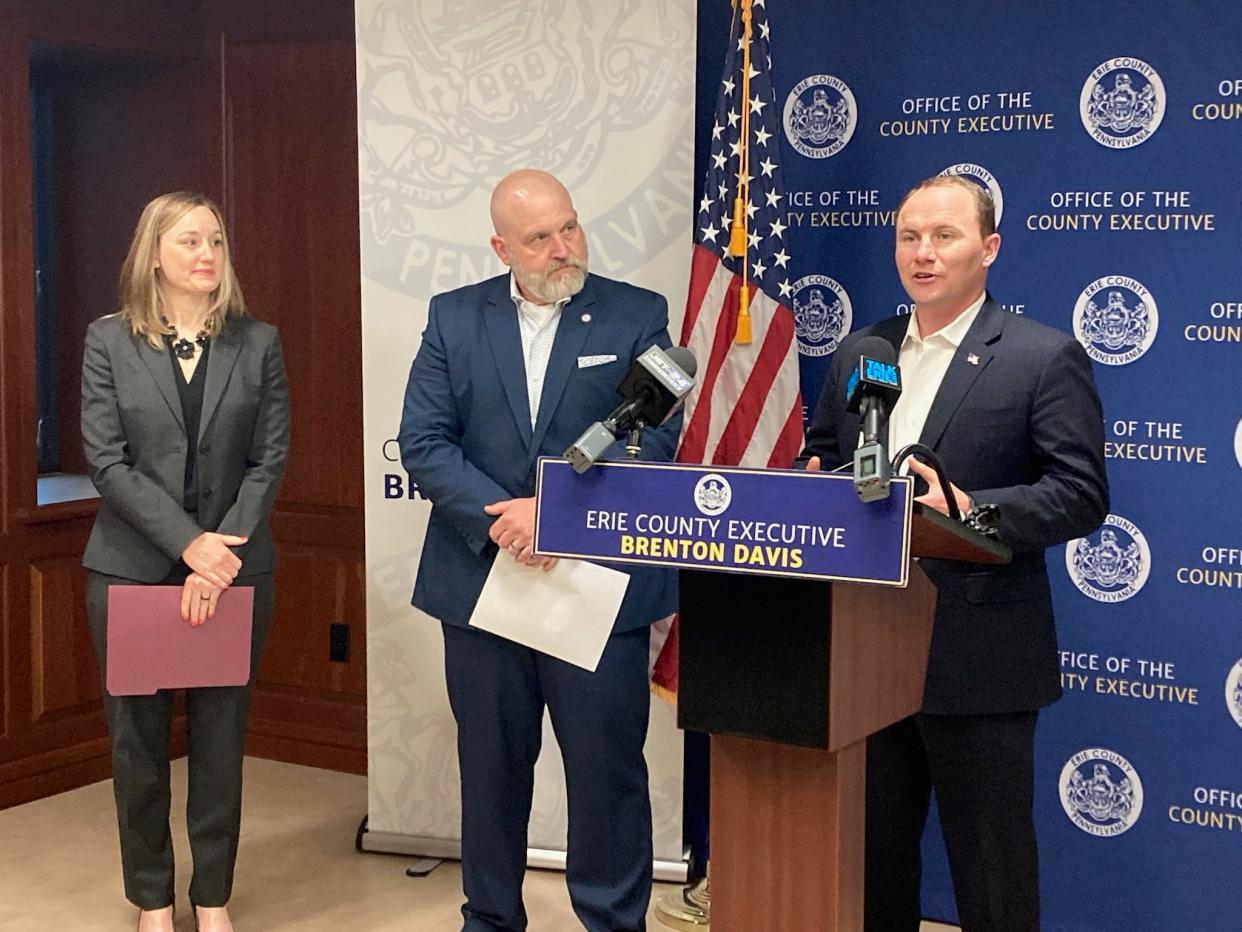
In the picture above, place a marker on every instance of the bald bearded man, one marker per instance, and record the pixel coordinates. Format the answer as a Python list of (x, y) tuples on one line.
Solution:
[(509, 370)]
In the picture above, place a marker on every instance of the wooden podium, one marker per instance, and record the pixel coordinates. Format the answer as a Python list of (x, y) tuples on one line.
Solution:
[(789, 677)]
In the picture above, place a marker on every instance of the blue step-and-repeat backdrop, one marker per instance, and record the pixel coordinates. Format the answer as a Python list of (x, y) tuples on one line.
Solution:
[(1110, 137)]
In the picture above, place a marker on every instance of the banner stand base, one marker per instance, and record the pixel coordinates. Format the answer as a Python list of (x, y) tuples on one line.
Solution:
[(423, 867)]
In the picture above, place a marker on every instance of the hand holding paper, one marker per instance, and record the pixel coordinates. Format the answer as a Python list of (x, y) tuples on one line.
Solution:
[(567, 612)]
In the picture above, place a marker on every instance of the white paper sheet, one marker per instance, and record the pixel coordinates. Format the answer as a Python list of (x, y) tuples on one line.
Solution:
[(567, 612)]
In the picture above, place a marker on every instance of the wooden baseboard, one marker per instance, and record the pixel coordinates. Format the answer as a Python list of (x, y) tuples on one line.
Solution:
[(295, 751), (64, 769), (25, 788), (316, 729)]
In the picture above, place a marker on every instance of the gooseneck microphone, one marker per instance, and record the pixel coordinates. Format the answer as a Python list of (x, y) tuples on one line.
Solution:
[(872, 390), (933, 460), (657, 381)]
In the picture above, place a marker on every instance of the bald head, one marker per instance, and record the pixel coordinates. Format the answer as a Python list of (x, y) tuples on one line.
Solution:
[(519, 193), (538, 235)]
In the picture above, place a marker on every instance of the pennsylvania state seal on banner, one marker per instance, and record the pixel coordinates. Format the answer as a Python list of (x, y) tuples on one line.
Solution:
[(1122, 102), (1116, 319), (1233, 693), (1112, 564), (713, 494), (820, 116), (1101, 792), (453, 96), (822, 314)]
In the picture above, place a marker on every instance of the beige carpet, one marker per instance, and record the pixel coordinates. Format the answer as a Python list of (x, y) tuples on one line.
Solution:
[(297, 868)]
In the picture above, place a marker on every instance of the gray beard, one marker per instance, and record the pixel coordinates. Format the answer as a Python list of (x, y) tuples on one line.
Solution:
[(546, 289)]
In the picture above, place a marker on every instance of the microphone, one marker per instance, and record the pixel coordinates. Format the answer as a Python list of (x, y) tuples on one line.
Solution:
[(657, 381), (872, 390)]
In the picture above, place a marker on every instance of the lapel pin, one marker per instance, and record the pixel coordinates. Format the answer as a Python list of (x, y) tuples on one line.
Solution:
[(586, 318), (972, 359)]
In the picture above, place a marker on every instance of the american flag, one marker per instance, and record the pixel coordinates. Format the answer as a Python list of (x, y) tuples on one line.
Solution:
[(746, 407)]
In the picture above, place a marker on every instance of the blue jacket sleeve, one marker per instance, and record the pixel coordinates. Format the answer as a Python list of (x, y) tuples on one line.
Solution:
[(430, 441)]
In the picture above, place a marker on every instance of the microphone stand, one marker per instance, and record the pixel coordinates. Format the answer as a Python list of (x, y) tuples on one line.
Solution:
[(633, 439)]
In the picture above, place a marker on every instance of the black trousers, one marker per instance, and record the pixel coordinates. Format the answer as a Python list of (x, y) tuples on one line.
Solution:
[(139, 727), (982, 770)]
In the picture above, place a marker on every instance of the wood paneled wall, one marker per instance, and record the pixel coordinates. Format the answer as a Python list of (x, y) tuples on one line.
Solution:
[(254, 103)]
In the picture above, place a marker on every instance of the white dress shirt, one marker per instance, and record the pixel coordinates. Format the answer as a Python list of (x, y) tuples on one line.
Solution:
[(537, 324), (923, 362)]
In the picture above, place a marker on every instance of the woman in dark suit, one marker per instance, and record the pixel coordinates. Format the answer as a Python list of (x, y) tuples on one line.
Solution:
[(185, 426)]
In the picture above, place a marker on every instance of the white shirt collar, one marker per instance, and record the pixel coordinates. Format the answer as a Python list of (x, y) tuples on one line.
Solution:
[(522, 304), (953, 333)]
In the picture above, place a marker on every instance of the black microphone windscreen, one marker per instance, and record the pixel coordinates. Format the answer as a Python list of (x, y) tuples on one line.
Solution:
[(684, 359), (874, 348)]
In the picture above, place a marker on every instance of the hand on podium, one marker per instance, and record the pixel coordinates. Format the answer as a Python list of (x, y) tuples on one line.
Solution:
[(935, 497)]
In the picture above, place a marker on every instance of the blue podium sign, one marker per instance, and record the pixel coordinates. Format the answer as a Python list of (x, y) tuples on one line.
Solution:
[(770, 522)]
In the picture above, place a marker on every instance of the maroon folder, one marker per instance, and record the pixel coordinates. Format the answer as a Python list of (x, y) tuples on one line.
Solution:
[(151, 648)]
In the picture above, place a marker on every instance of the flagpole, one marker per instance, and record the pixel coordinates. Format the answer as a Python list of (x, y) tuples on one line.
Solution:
[(738, 231), (763, 384), (690, 909)]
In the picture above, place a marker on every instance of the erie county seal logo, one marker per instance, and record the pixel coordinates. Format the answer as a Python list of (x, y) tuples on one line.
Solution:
[(1112, 564), (985, 179), (822, 314), (820, 116), (1233, 692), (1122, 102), (1116, 320), (1101, 792), (1237, 443), (712, 494)]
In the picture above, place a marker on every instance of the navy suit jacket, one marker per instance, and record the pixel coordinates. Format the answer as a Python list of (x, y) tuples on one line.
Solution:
[(466, 437), (1018, 423)]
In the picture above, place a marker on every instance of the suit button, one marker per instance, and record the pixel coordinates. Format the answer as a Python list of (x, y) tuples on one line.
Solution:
[(206, 493), (204, 449)]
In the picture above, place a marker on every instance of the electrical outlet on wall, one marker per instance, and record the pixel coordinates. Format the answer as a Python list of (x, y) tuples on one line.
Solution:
[(338, 642)]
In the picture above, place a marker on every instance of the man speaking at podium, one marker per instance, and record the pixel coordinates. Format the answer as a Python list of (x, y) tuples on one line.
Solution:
[(1011, 408), (511, 369)]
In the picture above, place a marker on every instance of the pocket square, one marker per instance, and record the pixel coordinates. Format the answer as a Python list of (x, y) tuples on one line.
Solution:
[(586, 362)]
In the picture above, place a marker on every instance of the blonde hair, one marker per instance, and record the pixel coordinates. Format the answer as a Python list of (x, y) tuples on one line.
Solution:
[(142, 299)]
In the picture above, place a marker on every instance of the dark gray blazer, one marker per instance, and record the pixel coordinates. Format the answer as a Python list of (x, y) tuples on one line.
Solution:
[(135, 443)]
